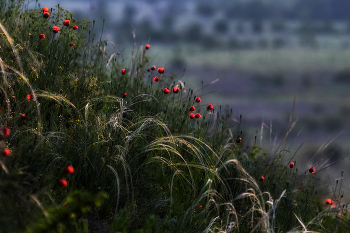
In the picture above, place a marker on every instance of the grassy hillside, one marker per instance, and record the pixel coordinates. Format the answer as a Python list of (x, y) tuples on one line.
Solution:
[(92, 141)]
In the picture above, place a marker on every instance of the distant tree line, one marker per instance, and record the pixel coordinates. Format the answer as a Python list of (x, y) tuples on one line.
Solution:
[(312, 9), (234, 23)]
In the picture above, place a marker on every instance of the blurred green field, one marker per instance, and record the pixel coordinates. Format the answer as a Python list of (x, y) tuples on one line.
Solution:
[(261, 86), (297, 60), (264, 83)]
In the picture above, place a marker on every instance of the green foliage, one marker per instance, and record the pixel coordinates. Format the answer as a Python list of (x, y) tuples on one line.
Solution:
[(69, 217), (161, 170), (121, 224)]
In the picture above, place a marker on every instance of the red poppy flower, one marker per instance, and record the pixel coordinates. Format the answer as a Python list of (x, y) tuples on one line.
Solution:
[(66, 22), (63, 183), (329, 202), (70, 169), (198, 115), (5, 131), (312, 170), (42, 36), (24, 115), (153, 67), (46, 14), (210, 107), (201, 207), (166, 91), (45, 9), (192, 115), (198, 100), (262, 178), (6, 152), (161, 70), (123, 71), (291, 165), (239, 140), (71, 44), (64, 204), (61, 91), (147, 47), (75, 27), (156, 79), (30, 96), (176, 90), (148, 70), (55, 29), (192, 108), (124, 95)]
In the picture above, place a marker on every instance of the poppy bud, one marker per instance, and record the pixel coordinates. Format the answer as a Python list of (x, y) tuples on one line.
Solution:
[(66, 22), (123, 71), (147, 47), (291, 165), (153, 68), (166, 91), (46, 14), (6, 152), (161, 70), (5, 131), (42, 36), (75, 27), (262, 178), (210, 107), (124, 95), (176, 90), (192, 108), (239, 140), (156, 79), (70, 169), (63, 183), (148, 70), (198, 100), (192, 115), (61, 91), (45, 9), (312, 170), (30, 96), (55, 29)]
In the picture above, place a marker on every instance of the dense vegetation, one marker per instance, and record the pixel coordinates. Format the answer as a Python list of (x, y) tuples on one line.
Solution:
[(92, 144)]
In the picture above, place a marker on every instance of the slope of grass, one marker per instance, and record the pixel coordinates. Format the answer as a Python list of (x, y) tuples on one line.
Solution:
[(141, 164)]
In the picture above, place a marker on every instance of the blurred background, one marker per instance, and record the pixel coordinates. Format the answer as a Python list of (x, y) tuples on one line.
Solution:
[(264, 53)]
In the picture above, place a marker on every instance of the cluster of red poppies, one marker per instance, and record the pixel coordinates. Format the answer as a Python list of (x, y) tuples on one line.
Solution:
[(197, 115), (311, 170), (56, 29), (6, 152), (63, 182), (291, 165)]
